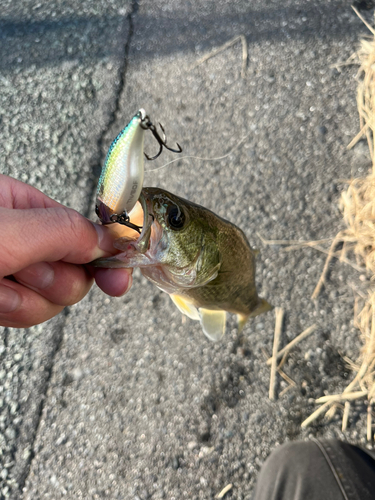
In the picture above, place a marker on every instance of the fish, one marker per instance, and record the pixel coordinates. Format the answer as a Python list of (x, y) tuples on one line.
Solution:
[(204, 262)]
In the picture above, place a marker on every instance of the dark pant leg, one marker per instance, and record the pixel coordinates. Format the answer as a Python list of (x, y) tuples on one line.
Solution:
[(317, 470)]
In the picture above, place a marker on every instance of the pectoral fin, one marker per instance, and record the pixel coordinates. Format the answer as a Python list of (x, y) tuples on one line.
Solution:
[(213, 323), (185, 307)]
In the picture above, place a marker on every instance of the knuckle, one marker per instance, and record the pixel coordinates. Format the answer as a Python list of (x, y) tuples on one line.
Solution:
[(71, 285), (7, 261), (78, 230), (73, 222), (78, 292)]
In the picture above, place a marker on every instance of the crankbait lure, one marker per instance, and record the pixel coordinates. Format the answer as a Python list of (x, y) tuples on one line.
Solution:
[(121, 180)]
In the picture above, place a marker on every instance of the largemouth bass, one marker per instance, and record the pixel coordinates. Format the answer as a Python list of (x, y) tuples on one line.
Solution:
[(203, 261)]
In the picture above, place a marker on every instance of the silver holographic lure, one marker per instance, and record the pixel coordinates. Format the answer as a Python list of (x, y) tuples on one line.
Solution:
[(121, 181)]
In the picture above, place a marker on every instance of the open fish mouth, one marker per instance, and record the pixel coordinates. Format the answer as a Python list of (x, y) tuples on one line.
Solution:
[(143, 241), (131, 225)]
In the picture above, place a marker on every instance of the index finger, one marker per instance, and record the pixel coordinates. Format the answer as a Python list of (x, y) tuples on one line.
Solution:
[(18, 195), (49, 235)]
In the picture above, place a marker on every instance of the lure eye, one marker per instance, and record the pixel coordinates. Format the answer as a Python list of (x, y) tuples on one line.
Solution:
[(176, 218)]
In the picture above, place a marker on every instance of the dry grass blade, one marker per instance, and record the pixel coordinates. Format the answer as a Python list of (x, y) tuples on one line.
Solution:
[(340, 255), (294, 342), (291, 245), (332, 398), (345, 416), (282, 362), (326, 266), (279, 314), (349, 62), (226, 45), (315, 415), (296, 243), (371, 393), (358, 137), (363, 20), (286, 378), (284, 391), (369, 422), (331, 412), (224, 491)]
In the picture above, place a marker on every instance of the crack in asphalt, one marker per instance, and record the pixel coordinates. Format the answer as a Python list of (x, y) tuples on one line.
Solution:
[(24, 474)]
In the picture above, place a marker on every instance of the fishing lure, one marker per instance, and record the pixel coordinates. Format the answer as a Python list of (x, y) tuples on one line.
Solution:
[(121, 180)]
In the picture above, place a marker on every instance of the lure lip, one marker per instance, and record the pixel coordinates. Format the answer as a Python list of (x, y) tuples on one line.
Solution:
[(147, 244), (103, 212)]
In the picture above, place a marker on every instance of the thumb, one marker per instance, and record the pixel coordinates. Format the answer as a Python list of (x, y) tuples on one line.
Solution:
[(49, 234)]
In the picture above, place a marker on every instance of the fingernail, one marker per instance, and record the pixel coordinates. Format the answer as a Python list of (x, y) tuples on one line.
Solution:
[(105, 240), (130, 282), (40, 275), (100, 232), (9, 299)]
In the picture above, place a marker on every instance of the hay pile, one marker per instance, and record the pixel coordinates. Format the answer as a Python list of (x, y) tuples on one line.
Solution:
[(358, 207)]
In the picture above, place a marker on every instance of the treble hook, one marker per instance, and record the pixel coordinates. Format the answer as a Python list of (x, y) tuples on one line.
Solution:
[(124, 218), (148, 125)]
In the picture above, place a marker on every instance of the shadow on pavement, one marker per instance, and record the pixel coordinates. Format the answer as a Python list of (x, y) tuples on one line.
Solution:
[(50, 42)]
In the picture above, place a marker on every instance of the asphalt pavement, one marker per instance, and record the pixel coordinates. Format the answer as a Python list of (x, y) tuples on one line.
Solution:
[(123, 398)]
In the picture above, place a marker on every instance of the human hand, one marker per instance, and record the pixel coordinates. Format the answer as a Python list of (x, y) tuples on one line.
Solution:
[(43, 249)]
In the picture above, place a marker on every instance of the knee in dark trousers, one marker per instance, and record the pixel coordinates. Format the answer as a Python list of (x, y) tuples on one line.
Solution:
[(317, 470)]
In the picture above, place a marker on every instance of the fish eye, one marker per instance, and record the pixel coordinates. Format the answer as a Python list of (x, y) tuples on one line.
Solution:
[(176, 218)]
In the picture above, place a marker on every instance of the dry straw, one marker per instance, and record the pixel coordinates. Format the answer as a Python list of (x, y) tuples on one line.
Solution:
[(358, 239), (279, 313), (283, 354)]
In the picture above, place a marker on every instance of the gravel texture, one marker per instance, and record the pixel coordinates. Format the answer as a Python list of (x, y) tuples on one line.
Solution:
[(120, 398)]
